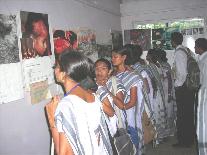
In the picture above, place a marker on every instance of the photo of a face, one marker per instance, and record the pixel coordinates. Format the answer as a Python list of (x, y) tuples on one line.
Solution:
[(9, 52), (35, 35), (63, 40)]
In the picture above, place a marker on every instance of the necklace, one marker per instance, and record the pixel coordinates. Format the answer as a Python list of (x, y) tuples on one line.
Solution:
[(74, 87)]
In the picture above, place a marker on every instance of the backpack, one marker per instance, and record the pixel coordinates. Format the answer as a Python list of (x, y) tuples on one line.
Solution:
[(193, 72)]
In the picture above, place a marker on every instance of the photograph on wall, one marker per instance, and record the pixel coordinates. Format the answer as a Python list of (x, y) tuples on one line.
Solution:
[(201, 30), (158, 38), (35, 48), (195, 31), (167, 37), (64, 39), (189, 31), (11, 86), (104, 51), (9, 52), (117, 39), (87, 43), (140, 37), (35, 32)]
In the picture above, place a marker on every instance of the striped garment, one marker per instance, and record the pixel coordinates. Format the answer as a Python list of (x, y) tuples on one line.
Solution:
[(102, 93), (82, 123), (159, 102), (141, 71), (202, 106), (131, 79), (170, 102)]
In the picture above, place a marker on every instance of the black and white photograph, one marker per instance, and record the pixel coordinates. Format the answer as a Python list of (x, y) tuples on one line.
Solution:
[(9, 52)]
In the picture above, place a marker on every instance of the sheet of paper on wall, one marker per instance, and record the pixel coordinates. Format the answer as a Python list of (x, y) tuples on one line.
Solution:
[(39, 91), (36, 70), (11, 85)]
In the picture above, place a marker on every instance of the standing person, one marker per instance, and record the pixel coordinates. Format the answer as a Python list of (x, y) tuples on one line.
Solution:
[(185, 97), (76, 121), (105, 86), (133, 102), (111, 94), (139, 66), (201, 49), (159, 106), (169, 90)]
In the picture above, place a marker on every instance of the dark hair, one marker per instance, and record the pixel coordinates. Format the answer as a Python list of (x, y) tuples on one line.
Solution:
[(34, 17), (72, 37), (59, 33), (125, 51), (138, 51), (177, 38), (153, 54), (78, 67), (130, 54), (163, 56), (108, 64), (201, 43)]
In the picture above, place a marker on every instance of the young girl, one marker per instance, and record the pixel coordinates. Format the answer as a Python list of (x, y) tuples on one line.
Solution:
[(133, 102), (76, 121), (106, 88)]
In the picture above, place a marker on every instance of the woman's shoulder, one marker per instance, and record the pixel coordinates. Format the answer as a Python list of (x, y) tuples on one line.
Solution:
[(79, 100)]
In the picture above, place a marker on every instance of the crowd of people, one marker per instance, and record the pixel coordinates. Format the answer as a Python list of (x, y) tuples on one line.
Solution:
[(102, 97)]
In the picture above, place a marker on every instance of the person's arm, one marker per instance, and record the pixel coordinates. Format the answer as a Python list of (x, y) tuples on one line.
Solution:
[(107, 108), (118, 99), (65, 147), (57, 137), (133, 98)]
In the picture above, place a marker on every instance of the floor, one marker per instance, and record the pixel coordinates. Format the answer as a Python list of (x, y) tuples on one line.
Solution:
[(166, 149)]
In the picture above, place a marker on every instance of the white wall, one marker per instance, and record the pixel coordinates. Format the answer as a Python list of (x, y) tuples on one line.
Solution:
[(154, 11), (23, 128)]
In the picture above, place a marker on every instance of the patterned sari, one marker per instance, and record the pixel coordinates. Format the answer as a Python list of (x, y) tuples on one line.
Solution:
[(134, 114), (83, 125), (170, 102), (159, 102)]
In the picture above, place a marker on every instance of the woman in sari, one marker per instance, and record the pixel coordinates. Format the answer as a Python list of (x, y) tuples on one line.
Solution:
[(106, 88), (133, 102), (159, 97), (76, 122), (169, 90)]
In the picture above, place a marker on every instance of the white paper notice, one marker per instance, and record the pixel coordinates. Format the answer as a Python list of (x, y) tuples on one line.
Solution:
[(36, 70), (11, 85)]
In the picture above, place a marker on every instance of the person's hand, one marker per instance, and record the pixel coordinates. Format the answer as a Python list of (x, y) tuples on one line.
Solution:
[(50, 110)]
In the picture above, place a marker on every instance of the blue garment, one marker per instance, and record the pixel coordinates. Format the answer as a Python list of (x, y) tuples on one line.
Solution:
[(134, 136)]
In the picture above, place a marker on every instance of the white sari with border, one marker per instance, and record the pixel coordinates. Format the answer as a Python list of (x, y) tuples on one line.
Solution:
[(83, 124)]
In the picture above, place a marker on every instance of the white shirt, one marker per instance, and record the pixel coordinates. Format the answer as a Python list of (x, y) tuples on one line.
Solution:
[(180, 64), (203, 69)]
